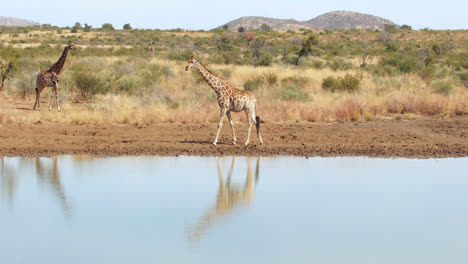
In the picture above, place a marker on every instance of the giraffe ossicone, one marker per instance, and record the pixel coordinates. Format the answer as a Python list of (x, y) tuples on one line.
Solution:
[(51, 78), (229, 99)]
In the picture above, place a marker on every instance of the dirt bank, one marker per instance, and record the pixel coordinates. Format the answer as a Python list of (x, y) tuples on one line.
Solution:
[(417, 138)]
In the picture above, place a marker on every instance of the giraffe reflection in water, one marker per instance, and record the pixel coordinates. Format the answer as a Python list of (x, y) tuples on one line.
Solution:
[(229, 197), (47, 175)]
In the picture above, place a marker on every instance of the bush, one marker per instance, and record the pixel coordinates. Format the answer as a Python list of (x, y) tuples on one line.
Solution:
[(347, 83), (271, 78), (154, 73), (89, 84), (293, 92), (129, 84), (330, 84), (265, 60), (340, 64), (254, 83), (442, 87)]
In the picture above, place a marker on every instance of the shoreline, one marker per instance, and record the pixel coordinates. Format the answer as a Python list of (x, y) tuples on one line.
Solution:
[(405, 138)]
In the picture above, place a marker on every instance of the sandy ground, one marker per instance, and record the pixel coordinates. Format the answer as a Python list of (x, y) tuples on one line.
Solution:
[(415, 138)]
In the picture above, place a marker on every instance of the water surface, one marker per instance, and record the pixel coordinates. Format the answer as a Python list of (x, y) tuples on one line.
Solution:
[(79, 209)]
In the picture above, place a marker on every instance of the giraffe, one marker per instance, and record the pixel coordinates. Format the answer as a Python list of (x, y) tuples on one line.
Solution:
[(229, 197), (229, 99), (51, 78)]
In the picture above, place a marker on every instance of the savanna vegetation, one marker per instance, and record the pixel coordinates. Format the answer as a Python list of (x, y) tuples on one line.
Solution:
[(137, 76)]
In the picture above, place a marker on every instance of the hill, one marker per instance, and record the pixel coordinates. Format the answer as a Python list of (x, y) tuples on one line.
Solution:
[(332, 20), (16, 22), (254, 22), (347, 20)]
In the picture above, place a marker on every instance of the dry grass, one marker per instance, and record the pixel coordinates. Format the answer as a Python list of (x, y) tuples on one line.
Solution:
[(179, 98)]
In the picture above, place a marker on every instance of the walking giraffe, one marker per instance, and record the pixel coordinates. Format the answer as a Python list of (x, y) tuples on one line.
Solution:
[(229, 99), (51, 78)]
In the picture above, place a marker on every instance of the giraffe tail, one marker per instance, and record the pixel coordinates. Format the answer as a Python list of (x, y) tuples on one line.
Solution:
[(257, 120)]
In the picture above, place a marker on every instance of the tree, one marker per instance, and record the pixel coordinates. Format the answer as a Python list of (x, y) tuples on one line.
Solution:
[(257, 48), (406, 27), (241, 29), (127, 27), (307, 47), (87, 28), (391, 28), (78, 25), (108, 26), (8, 58), (265, 28)]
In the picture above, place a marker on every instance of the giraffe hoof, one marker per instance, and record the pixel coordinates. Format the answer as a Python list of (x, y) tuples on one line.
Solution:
[(214, 143), (246, 144), (233, 142)]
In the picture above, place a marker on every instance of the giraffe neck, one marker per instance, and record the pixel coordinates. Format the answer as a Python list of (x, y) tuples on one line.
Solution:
[(57, 67), (212, 80)]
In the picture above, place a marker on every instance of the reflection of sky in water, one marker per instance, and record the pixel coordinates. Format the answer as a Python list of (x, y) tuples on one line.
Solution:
[(317, 210)]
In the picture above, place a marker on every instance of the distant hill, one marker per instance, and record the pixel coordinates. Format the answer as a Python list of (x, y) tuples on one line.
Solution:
[(332, 20), (16, 22), (254, 22), (348, 20)]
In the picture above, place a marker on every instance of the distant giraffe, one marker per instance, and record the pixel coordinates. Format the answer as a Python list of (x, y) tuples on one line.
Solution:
[(51, 78), (229, 99)]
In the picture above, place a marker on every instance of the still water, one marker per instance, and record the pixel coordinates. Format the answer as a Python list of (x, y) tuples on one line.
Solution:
[(79, 209)]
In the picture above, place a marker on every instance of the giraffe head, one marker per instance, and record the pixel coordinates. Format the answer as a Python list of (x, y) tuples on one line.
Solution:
[(71, 46), (191, 63)]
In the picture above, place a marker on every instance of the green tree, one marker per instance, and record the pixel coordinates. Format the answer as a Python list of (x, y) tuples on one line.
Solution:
[(78, 25), (87, 28), (127, 27), (108, 26), (8, 59), (241, 29), (265, 28), (391, 28), (307, 47)]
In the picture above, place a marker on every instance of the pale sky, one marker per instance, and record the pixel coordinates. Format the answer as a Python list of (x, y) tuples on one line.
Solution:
[(208, 14)]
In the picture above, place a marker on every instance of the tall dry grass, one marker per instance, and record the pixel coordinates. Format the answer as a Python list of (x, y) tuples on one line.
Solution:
[(180, 97)]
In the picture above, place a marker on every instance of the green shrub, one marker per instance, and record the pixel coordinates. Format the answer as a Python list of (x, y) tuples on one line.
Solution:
[(89, 84), (442, 87), (154, 73), (340, 64), (265, 60), (254, 83), (292, 92), (316, 64), (271, 78), (330, 84), (129, 84), (347, 83)]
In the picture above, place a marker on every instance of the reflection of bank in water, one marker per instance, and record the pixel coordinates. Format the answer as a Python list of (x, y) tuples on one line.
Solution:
[(229, 197), (47, 175)]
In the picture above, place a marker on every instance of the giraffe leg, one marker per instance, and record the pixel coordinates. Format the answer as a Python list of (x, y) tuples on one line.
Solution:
[(56, 96), (249, 121), (37, 96), (50, 99), (228, 113), (256, 120), (220, 124)]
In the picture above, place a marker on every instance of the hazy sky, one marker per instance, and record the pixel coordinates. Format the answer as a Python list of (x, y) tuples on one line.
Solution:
[(208, 14)]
